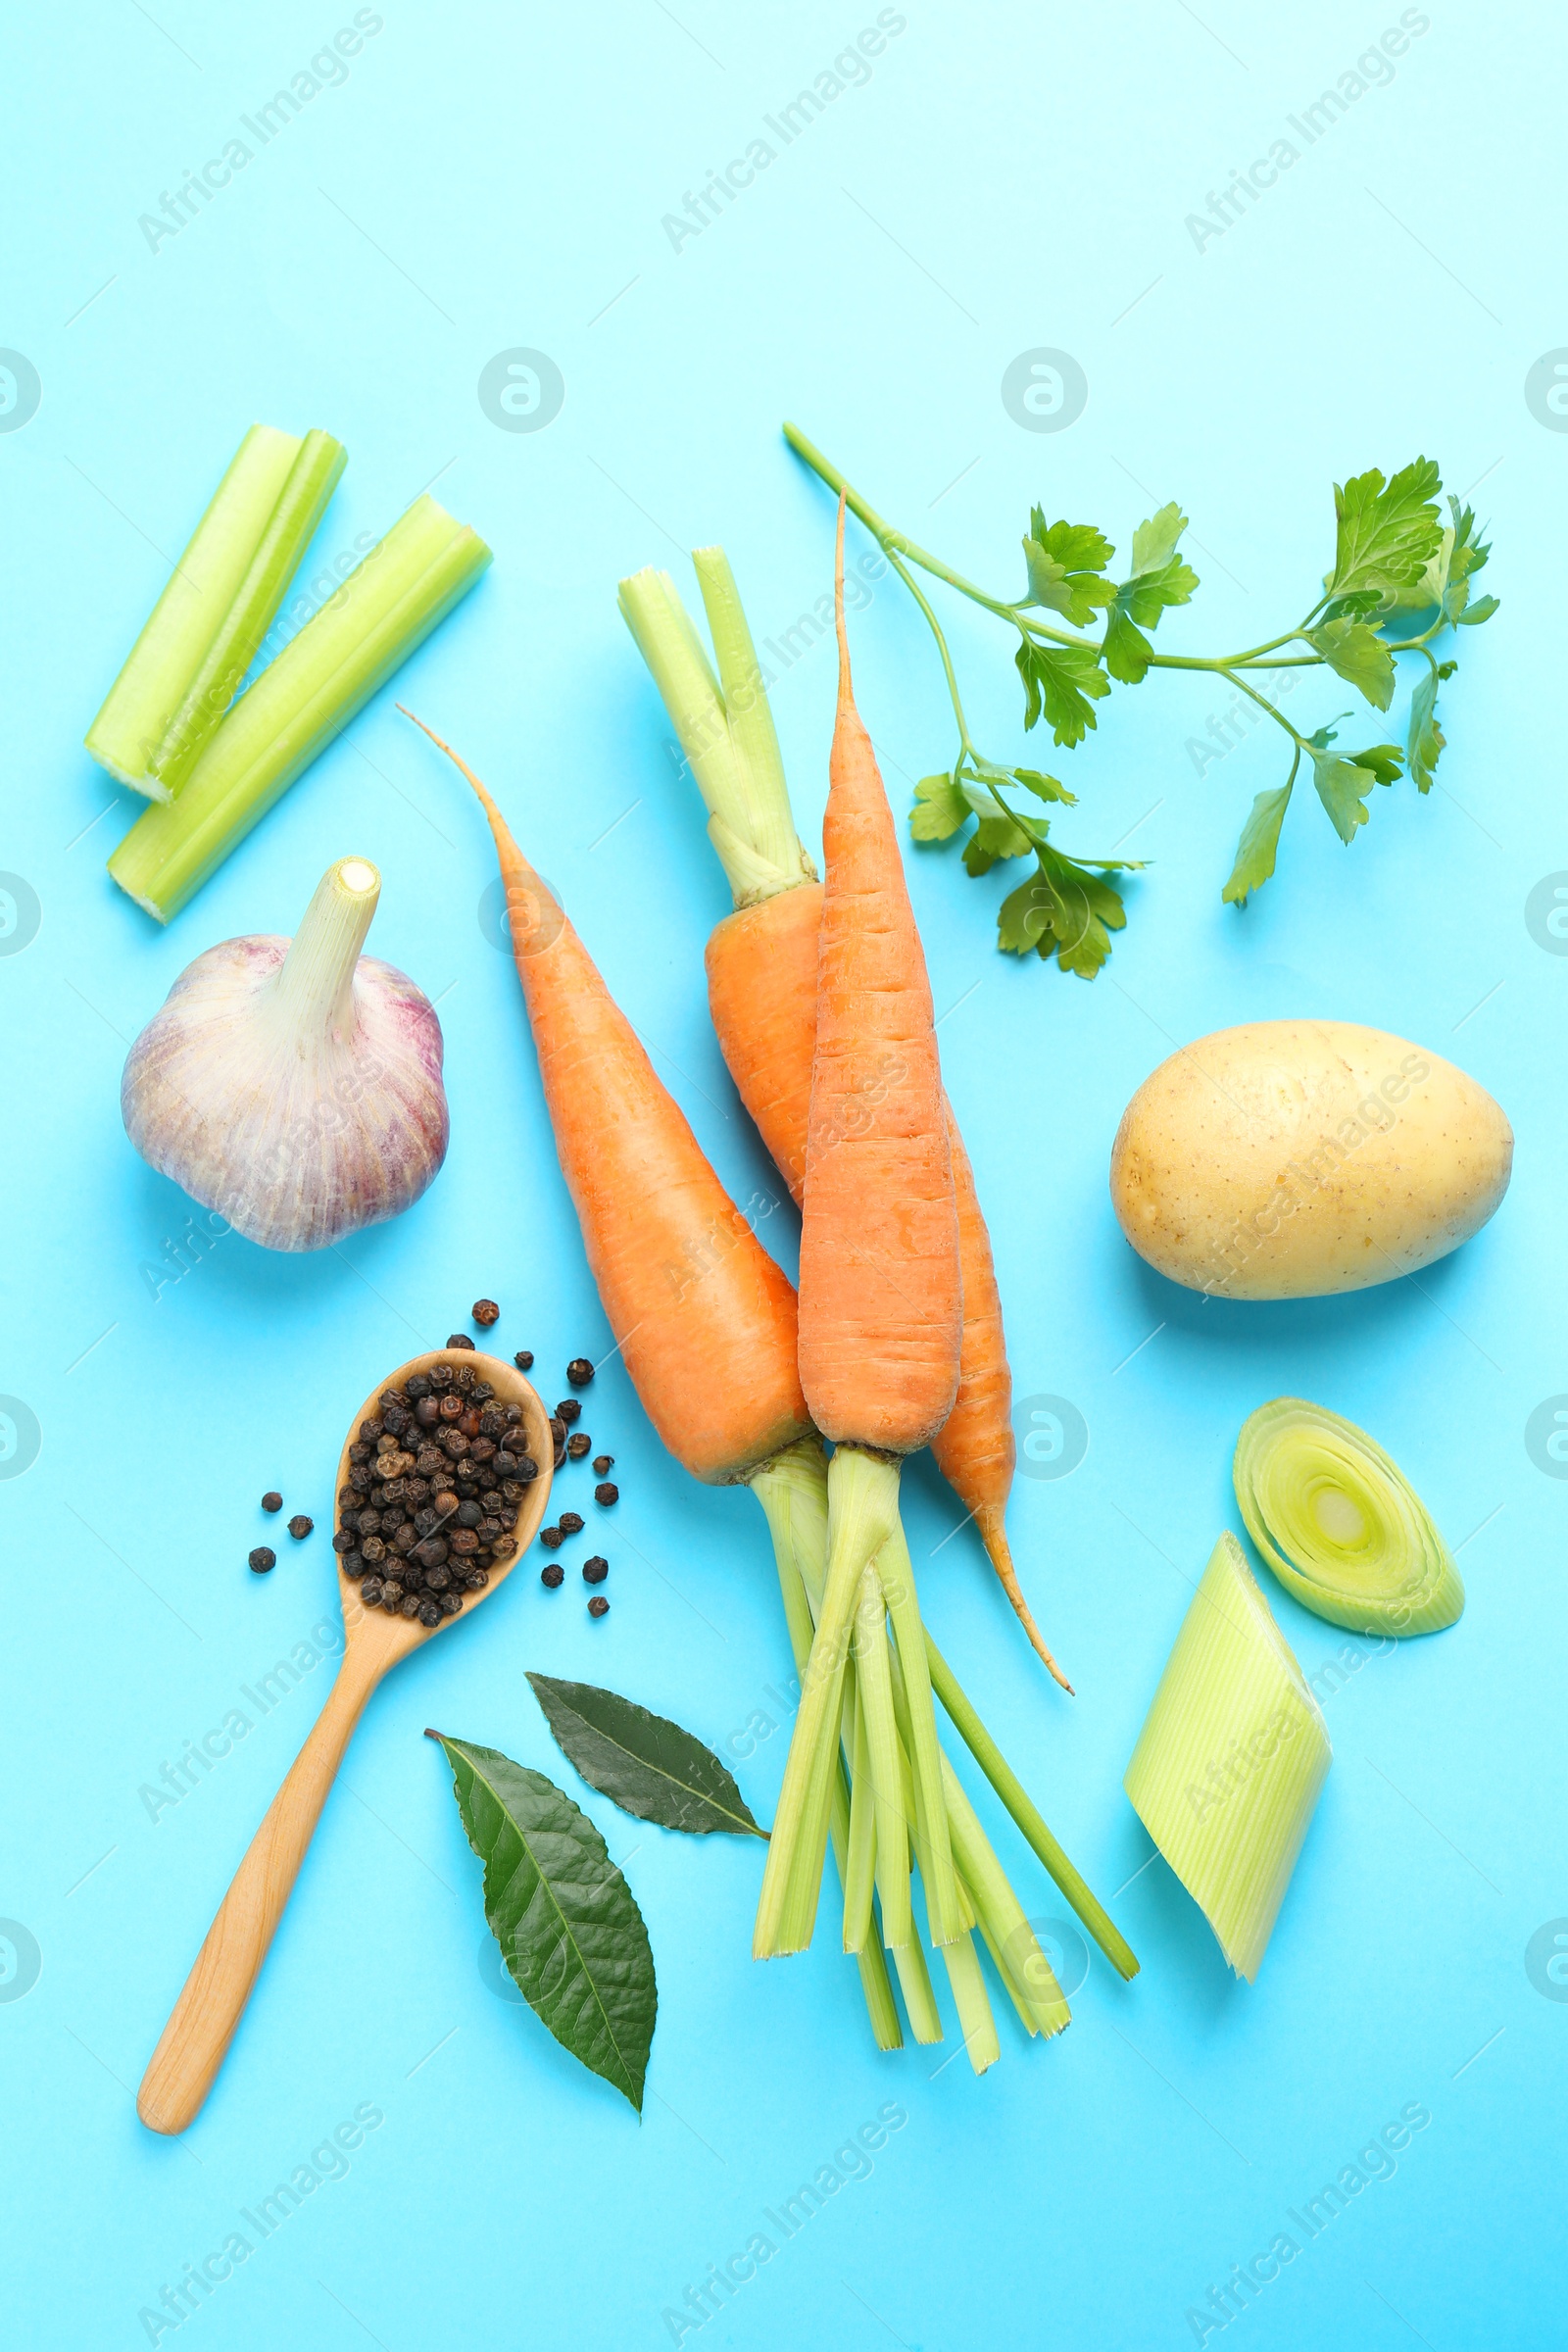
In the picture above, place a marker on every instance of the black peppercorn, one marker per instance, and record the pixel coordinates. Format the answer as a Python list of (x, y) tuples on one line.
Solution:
[(568, 1409), (427, 1412), (577, 1445), (550, 1536), (343, 1541), (299, 1527), (503, 1548), (261, 1559), (524, 1359), (370, 1592), (353, 1565), (486, 1311), (599, 1606), (558, 1434), (410, 1605), (553, 1573), (604, 1463), (416, 1387), (273, 1501), (606, 1493), (579, 1371), (595, 1571), (571, 1523), (464, 1376), (459, 1339), (440, 1377), (429, 1612)]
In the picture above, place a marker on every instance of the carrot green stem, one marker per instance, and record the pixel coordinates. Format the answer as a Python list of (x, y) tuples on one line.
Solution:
[(1005, 1781), (387, 605), (134, 722), (873, 1687), (978, 2024), (724, 724), (914, 1982), (904, 1610), (792, 1490), (863, 1509), (860, 1876)]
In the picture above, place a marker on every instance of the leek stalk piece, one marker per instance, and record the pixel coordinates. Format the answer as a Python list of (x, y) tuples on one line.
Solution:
[(205, 629), (321, 679), (1230, 1761), (1339, 1524)]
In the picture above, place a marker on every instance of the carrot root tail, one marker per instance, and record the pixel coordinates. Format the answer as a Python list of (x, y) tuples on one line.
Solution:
[(993, 1536)]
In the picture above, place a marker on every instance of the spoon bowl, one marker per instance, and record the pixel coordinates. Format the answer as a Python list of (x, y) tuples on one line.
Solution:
[(193, 2044)]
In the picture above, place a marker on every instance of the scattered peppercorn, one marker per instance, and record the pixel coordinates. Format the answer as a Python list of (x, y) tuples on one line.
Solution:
[(551, 1538), (602, 1463), (553, 1573), (571, 1523), (599, 1606), (568, 1409), (459, 1339), (595, 1571), (524, 1359), (606, 1493), (299, 1527), (486, 1311), (577, 1445), (273, 1501), (579, 1371), (261, 1559)]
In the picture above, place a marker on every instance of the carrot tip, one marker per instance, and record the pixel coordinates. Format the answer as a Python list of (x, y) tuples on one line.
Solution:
[(1001, 1558)]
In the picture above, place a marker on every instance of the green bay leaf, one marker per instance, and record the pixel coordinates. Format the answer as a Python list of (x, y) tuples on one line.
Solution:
[(566, 1922), (645, 1763)]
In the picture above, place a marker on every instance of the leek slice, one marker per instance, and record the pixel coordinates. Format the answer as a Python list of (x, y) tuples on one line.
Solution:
[(215, 595), (387, 605), (1230, 1761), (1339, 1524)]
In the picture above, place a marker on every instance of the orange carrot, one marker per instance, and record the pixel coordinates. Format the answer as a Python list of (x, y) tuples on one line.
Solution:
[(703, 1317), (761, 994), (881, 1290), (762, 987), (881, 1323)]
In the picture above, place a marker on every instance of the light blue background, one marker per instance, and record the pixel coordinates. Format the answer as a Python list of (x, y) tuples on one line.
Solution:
[(486, 178)]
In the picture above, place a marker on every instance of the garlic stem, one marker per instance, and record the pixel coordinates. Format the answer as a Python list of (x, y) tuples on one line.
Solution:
[(315, 985)]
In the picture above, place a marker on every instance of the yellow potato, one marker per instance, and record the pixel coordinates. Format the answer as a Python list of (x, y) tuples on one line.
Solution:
[(1290, 1158)]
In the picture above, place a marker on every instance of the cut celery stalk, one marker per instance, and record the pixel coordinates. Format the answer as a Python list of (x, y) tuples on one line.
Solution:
[(312, 479), (1229, 1764), (185, 620), (386, 607)]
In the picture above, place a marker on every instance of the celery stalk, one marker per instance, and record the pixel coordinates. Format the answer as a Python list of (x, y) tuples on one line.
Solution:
[(291, 526), (386, 607), (188, 615)]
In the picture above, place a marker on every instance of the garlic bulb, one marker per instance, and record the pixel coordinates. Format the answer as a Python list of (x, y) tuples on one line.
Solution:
[(294, 1086)]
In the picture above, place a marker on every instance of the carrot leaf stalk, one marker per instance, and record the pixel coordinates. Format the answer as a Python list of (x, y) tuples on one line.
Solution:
[(725, 725)]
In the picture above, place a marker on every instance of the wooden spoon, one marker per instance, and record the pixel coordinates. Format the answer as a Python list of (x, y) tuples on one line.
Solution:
[(186, 2063)]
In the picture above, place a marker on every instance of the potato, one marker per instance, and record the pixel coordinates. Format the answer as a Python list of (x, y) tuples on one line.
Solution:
[(1286, 1159)]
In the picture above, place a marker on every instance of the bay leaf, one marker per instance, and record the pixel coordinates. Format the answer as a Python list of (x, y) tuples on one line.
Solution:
[(566, 1922), (645, 1763)]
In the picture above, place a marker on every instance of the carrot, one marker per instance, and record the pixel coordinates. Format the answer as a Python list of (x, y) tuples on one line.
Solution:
[(697, 1307), (761, 992), (880, 1326)]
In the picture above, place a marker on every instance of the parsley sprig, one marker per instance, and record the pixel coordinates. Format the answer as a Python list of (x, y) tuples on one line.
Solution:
[(1401, 575)]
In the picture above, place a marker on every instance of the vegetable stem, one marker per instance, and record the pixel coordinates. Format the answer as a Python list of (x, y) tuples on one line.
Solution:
[(1000, 1773), (321, 679), (135, 722), (313, 988)]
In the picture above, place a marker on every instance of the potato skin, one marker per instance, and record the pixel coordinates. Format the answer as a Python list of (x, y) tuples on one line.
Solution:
[(1289, 1159)]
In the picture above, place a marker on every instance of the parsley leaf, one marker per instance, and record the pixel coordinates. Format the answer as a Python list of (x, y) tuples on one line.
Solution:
[(1343, 783), (1061, 681), (1482, 609), (1155, 541), (939, 808), (1064, 911), (1043, 788), (1065, 562), (995, 837), (1355, 651), (1385, 531), (1426, 738), (1258, 846), (1126, 651)]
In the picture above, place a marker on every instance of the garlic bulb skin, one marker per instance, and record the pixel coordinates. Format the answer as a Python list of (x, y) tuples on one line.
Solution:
[(294, 1085)]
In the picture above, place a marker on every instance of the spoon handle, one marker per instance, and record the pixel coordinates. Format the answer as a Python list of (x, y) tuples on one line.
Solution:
[(186, 2063)]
